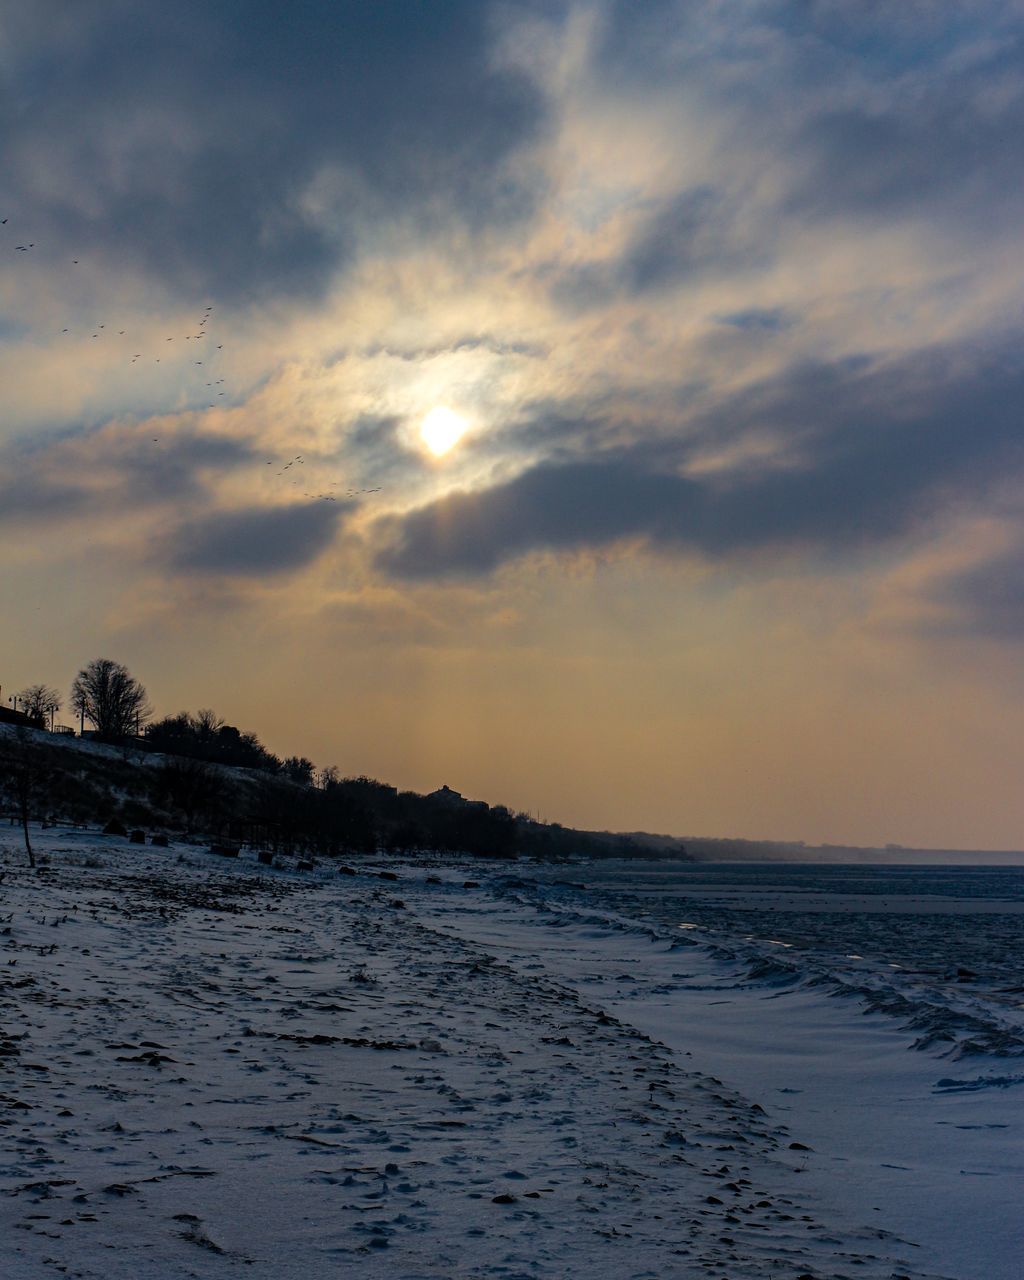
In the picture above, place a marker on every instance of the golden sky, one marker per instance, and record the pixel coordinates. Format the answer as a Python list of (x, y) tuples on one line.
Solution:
[(611, 410)]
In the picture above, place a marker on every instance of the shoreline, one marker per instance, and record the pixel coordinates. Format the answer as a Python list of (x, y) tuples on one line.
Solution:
[(218, 1067), (900, 1137)]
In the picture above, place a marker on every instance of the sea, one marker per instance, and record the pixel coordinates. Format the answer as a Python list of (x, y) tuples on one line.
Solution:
[(938, 949)]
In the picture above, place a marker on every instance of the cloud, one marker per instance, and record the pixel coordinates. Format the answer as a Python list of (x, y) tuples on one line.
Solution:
[(820, 111), (254, 541), (171, 466), (987, 599), (875, 451), (26, 501), (685, 238), (113, 470), (757, 319), (483, 342), (918, 109), (238, 151)]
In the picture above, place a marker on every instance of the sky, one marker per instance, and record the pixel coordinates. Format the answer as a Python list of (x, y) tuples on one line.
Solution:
[(608, 409)]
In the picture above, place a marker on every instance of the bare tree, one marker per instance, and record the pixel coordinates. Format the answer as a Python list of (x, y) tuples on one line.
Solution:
[(206, 724), (326, 777), (110, 697), (39, 702), (24, 778)]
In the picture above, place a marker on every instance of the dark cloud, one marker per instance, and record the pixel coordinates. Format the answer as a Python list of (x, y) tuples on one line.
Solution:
[(374, 432), (650, 41), (33, 499), (684, 238), (863, 111), (60, 481), (172, 467), (689, 234), (874, 452), (553, 506), (951, 148), (935, 127), (375, 452), (485, 342), (758, 319), (183, 137), (255, 541), (987, 599), (926, 112)]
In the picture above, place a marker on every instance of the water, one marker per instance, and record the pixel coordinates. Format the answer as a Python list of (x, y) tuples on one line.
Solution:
[(940, 949)]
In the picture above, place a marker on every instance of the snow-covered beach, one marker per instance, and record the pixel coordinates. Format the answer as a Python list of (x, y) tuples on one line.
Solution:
[(214, 1067), (901, 1063)]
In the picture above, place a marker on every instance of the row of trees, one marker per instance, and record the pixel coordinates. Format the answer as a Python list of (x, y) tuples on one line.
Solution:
[(205, 736), (104, 692), (293, 807), (109, 697), (333, 816)]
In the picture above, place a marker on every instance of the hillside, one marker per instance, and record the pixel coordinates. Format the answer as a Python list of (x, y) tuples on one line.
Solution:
[(84, 782)]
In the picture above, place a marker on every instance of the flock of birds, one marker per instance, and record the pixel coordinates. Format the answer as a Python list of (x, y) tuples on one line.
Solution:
[(203, 333), (324, 497)]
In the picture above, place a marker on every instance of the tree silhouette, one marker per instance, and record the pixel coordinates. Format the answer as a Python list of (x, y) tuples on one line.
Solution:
[(39, 702), (25, 781), (205, 736), (298, 769), (110, 697)]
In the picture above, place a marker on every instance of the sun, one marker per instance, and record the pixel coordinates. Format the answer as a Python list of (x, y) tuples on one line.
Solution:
[(441, 429)]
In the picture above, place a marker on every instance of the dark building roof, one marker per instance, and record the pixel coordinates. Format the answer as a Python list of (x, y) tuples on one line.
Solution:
[(445, 795)]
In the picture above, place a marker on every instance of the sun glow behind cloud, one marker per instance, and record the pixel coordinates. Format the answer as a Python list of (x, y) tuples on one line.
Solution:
[(442, 429)]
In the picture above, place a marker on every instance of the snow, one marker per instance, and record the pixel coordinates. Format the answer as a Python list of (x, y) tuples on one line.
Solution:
[(895, 1138), (213, 1067)]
